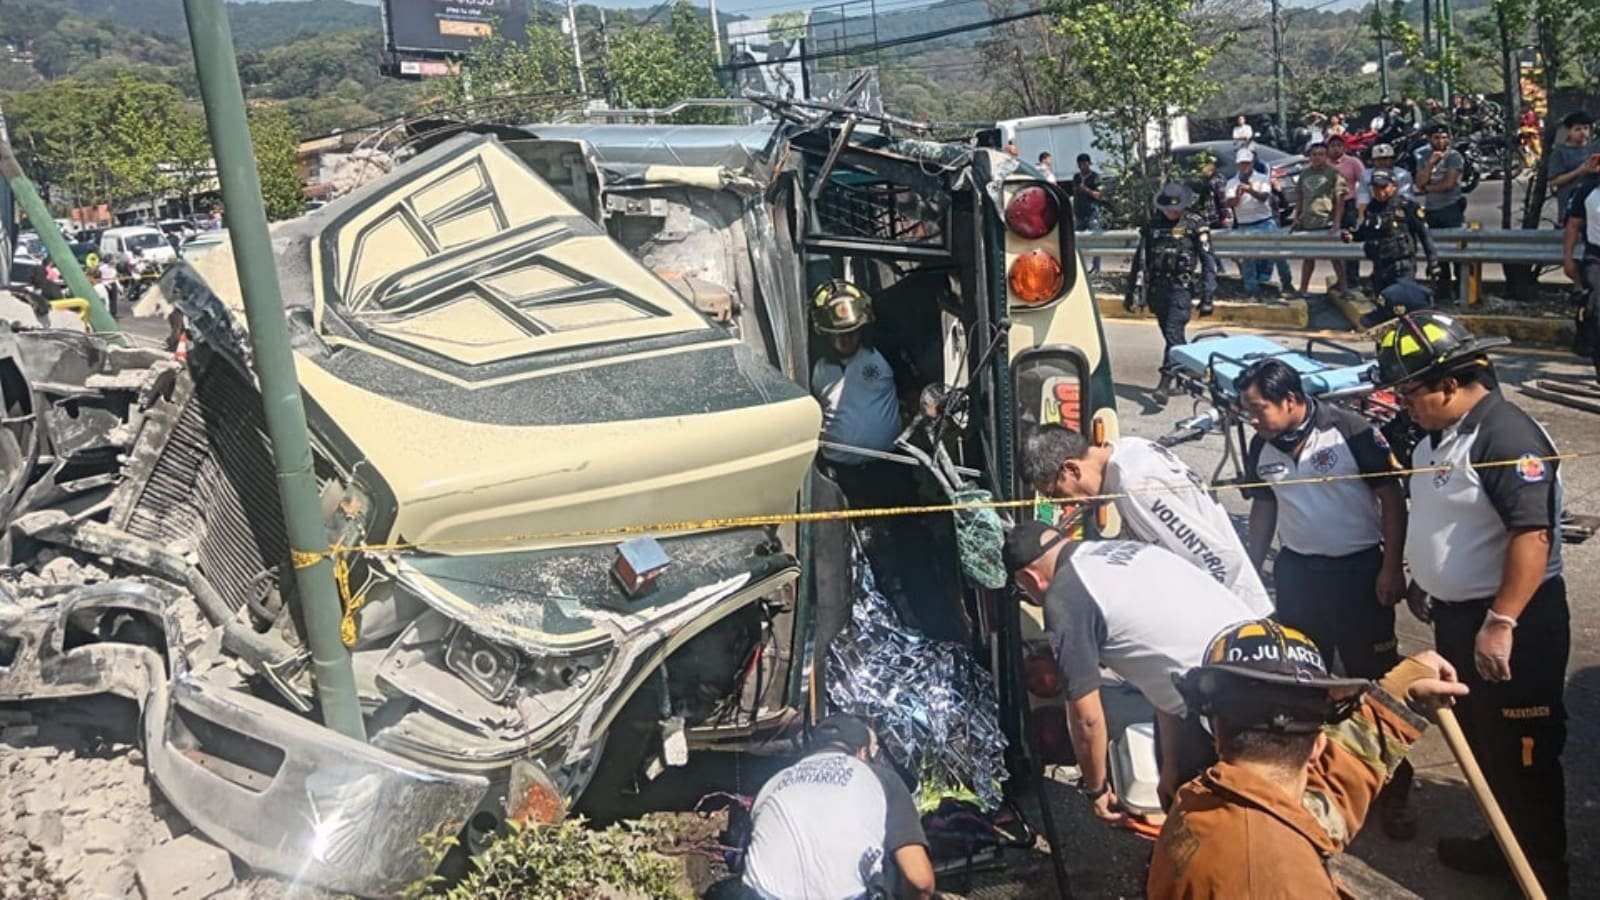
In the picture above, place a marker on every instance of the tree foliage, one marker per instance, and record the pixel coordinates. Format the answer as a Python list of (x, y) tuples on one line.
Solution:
[(655, 68), (1132, 62), (277, 146), (535, 77)]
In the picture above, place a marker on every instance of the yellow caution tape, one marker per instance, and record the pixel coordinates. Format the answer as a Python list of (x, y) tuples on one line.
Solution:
[(339, 553)]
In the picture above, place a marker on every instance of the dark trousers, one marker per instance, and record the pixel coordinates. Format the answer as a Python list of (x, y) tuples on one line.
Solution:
[(1197, 750), (1334, 601), (1518, 728), (1589, 334), (1172, 305), (1453, 216)]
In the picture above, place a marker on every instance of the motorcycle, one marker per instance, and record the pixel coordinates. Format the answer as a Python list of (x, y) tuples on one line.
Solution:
[(137, 275)]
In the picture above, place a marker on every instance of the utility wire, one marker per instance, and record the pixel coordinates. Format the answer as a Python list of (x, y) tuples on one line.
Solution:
[(884, 45)]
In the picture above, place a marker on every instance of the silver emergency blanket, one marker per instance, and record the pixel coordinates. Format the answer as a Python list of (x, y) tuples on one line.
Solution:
[(933, 707)]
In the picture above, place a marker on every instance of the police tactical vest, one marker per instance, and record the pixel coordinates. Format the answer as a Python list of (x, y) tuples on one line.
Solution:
[(1392, 240), (1171, 250)]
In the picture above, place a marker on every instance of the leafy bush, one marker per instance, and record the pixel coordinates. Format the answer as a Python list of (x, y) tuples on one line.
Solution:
[(569, 861)]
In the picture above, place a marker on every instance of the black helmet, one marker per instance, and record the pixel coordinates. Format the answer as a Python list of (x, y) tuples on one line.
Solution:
[(1172, 195), (1262, 675), (1424, 342), (839, 307)]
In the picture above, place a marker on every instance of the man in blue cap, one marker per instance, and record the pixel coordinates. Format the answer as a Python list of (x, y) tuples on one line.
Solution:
[(1171, 245), (1391, 231)]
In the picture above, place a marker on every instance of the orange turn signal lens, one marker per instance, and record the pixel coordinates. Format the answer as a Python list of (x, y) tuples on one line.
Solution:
[(1035, 277)]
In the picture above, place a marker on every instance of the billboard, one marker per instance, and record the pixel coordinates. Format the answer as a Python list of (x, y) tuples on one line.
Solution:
[(446, 27), (767, 54)]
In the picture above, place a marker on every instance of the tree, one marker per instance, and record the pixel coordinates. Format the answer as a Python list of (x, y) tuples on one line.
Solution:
[(277, 147), (189, 163), (1025, 63), (141, 120), (532, 79), (1133, 62), (655, 68)]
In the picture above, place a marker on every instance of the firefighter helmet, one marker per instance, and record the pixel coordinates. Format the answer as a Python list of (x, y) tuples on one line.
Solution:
[(839, 307), (1262, 675), (1425, 342)]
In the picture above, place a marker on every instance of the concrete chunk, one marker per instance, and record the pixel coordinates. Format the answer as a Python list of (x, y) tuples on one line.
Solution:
[(187, 868)]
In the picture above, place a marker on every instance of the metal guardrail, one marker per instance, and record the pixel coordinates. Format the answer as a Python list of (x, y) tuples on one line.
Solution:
[(1459, 245)]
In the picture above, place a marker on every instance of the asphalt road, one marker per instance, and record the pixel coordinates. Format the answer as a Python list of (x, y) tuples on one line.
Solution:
[(1104, 863)]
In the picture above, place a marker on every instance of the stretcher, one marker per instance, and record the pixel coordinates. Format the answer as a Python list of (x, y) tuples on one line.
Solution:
[(1207, 367)]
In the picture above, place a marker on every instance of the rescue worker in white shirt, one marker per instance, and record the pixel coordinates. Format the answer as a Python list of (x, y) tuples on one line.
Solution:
[(1484, 549), (860, 406), (1340, 570), (1141, 612), (1160, 499), (824, 828)]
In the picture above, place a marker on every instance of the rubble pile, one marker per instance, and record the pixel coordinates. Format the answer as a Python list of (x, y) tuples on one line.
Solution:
[(83, 821)]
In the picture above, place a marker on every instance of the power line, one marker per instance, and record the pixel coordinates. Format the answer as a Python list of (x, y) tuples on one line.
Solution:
[(884, 45)]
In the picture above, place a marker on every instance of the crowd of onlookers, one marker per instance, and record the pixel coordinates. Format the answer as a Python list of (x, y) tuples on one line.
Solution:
[(1414, 144)]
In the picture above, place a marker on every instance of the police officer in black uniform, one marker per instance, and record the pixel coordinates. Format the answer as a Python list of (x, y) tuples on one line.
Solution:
[(1390, 233), (1171, 244), (1484, 546)]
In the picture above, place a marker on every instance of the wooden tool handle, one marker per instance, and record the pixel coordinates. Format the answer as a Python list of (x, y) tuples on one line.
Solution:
[(1486, 802)]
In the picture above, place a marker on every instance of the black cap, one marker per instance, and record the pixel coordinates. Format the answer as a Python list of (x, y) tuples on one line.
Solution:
[(1172, 195), (841, 730), (1577, 117), (1438, 128), (1382, 177), (1026, 542)]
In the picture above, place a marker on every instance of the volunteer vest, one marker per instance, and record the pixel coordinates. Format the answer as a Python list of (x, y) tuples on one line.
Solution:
[(1156, 613), (1165, 502), (1332, 518), (1458, 534), (817, 830)]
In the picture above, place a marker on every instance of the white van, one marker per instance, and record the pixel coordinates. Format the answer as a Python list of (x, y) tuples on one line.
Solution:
[(116, 244)]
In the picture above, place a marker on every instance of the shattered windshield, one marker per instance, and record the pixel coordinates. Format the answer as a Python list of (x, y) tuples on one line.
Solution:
[(145, 240)]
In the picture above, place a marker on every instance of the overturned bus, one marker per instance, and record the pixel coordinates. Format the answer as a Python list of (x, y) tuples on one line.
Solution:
[(517, 350)]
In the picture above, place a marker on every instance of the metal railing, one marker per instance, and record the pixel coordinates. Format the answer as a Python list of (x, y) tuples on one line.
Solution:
[(1458, 245)]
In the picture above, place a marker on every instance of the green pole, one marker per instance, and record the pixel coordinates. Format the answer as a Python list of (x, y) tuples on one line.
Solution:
[(39, 214), (1447, 24), (218, 72)]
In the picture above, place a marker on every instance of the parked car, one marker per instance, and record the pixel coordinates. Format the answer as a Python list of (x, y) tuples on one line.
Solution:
[(1184, 162), (203, 242), (117, 244)]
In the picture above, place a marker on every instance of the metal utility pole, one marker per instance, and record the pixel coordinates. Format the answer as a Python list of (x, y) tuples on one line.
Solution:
[(255, 263), (27, 196), (577, 52), (1277, 68), (1446, 25), (608, 83), (1427, 41), (716, 34), (1379, 26)]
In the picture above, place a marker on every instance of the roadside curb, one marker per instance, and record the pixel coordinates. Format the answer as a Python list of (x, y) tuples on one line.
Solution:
[(1546, 331), (1352, 309), (1528, 331), (1285, 314)]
